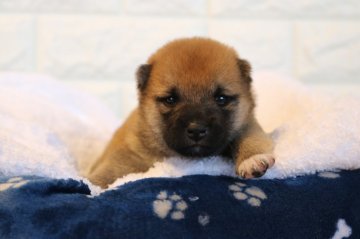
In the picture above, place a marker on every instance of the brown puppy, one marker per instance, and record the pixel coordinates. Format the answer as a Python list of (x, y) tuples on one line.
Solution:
[(195, 100)]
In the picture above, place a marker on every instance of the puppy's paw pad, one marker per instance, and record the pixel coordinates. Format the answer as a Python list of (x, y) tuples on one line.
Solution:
[(255, 166)]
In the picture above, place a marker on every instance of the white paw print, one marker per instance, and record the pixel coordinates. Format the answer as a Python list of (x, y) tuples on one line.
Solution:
[(204, 219), (330, 175), (343, 230), (16, 182), (173, 204), (253, 195)]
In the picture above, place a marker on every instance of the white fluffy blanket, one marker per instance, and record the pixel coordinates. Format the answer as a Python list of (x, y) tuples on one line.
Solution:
[(48, 129)]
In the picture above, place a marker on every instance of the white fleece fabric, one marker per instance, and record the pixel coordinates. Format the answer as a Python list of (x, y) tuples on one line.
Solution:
[(48, 129), (312, 131)]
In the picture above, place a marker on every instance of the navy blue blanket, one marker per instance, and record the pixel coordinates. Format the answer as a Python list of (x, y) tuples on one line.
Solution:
[(317, 206)]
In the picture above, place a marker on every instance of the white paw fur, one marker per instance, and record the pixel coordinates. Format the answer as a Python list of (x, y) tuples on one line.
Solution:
[(255, 166)]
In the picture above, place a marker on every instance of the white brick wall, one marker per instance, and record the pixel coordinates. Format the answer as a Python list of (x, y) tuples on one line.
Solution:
[(267, 45), (102, 46), (17, 43), (285, 9), (328, 51), (60, 6), (96, 45)]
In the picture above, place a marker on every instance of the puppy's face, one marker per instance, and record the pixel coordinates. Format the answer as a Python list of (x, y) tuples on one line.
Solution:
[(195, 96)]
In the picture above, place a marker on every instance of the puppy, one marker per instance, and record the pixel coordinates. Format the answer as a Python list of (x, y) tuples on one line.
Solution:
[(195, 101)]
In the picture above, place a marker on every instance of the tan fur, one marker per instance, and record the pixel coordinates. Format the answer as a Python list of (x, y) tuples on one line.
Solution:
[(195, 66)]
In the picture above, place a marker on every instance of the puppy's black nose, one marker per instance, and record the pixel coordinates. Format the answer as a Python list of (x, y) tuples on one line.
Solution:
[(196, 131)]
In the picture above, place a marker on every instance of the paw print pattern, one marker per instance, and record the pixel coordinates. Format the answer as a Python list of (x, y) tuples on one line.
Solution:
[(16, 182), (343, 230), (204, 219), (173, 205), (330, 175), (253, 195)]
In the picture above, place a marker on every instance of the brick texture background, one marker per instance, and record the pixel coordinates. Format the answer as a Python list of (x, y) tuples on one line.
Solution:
[(96, 45)]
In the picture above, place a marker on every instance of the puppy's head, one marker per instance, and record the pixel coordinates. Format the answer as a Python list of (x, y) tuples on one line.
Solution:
[(195, 96)]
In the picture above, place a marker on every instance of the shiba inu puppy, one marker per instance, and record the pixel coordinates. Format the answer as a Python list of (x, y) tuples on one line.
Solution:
[(195, 101)]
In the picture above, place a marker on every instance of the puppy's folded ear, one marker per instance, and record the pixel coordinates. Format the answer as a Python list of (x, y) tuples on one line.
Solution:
[(245, 70), (143, 75)]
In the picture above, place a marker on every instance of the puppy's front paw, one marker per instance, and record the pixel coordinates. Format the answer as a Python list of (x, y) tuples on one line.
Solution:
[(255, 166)]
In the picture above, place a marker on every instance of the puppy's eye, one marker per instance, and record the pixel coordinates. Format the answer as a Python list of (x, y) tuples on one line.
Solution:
[(223, 100), (169, 100)]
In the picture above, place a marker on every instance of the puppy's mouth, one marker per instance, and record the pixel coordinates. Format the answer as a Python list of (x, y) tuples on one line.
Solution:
[(197, 150)]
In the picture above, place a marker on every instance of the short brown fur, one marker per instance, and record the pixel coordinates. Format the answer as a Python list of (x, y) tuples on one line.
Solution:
[(196, 68)]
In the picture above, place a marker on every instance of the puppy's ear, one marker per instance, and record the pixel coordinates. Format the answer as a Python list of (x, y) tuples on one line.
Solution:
[(245, 70), (143, 75)]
